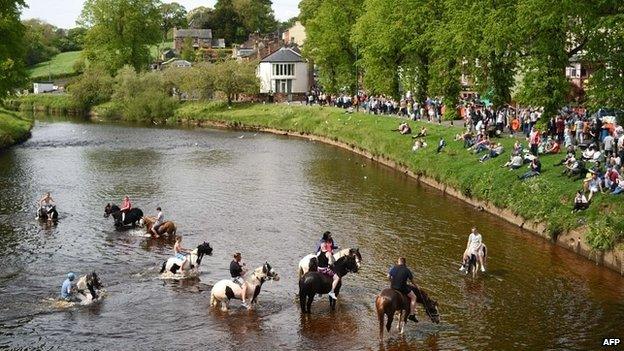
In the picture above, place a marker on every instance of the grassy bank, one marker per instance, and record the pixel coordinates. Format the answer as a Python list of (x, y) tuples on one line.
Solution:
[(46, 103), (13, 128), (547, 198), (60, 66)]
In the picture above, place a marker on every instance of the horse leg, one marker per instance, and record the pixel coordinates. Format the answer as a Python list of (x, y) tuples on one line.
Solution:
[(380, 317), (389, 321), (309, 305), (302, 301)]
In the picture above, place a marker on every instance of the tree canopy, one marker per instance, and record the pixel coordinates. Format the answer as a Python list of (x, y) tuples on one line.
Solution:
[(12, 46)]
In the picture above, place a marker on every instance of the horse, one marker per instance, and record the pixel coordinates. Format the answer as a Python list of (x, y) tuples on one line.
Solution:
[(313, 282), (88, 287), (132, 217), (472, 264), (167, 227), (225, 290), (305, 262), (173, 264), (42, 214), (391, 301)]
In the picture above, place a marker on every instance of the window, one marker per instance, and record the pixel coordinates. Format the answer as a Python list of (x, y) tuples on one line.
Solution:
[(283, 85), (284, 69)]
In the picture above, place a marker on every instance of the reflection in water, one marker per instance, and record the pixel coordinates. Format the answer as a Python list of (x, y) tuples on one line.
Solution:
[(269, 198)]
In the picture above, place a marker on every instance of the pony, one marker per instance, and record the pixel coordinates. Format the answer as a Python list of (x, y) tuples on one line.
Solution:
[(313, 282), (391, 301), (132, 217), (173, 264), (471, 265), (304, 263), (43, 213), (88, 287), (225, 290), (167, 227)]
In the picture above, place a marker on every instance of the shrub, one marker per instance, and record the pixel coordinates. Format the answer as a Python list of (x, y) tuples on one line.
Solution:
[(94, 87), (143, 96)]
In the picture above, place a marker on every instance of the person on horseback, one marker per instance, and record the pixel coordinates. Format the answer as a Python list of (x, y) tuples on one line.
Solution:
[(473, 247), (126, 206), (399, 275), (237, 271), (180, 252), (159, 221), (67, 290), (326, 261), (322, 240), (47, 203)]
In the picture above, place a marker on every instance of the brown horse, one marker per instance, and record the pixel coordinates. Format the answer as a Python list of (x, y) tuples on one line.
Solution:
[(168, 227), (391, 301)]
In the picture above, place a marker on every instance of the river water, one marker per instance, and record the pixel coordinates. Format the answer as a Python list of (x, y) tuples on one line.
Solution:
[(270, 198)]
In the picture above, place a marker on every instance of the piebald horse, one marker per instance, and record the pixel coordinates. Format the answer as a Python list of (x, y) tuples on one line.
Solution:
[(313, 282), (168, 227), (225, 290), (472, 264), (172, 265), (304, 264), (391, 301), (88, 287)]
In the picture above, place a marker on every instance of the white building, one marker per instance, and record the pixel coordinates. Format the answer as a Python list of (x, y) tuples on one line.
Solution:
[(43, 87), (284, 72)]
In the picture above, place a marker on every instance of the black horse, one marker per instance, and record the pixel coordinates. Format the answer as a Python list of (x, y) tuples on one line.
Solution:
[(132, 217), (313, 282), (49, 214)]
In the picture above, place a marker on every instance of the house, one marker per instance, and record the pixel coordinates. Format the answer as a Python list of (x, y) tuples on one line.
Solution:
[(257, 47), (43, 87), (199, 39), (578, 73), (177, 63), (284, 75), (295, 34)]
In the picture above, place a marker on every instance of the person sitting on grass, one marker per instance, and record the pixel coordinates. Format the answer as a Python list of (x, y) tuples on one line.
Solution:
[(482, 145), (418, 145), (552, 147), (593, 186), (611, 178), (404, 129), (517, 148), (495, 151), (580, 202), (515, 162), (588, 154), (575, 168), (619, 186), (422, 133), (567, 160), (441, 145), (535, 168)]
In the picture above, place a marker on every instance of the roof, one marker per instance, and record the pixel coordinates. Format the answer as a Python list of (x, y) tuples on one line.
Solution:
[(284, 55), (193, 33)]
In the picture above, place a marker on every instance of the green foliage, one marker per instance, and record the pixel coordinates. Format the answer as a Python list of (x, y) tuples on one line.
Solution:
[(39, 39), (13, 128), (12, 47), (233, 78), (108, 110), (62, 65), (198, 82), (93, 87), (188, 51), (48, 103), (143, 96), (605, 233), (120, 32), (173, 15)]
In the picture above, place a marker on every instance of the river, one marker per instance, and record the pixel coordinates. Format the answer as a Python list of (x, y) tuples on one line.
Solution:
[(271, 198)]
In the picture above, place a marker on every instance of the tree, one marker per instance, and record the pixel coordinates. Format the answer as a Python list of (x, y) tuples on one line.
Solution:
[(232, 78), (227, 23), (329, 28), (173, 16), (12, 47), (256, 15), (93, 87), (40, 38), (120, 32), (200, 17)]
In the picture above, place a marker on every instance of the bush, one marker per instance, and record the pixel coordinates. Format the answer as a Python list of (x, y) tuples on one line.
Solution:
[(94, 87), (110, 110)]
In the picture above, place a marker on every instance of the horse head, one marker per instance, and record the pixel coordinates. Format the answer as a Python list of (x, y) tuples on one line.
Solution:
[(431, 306), (203, 249), (107, 210), (346, 264), (358, 257), (93, 284), (269, 272)]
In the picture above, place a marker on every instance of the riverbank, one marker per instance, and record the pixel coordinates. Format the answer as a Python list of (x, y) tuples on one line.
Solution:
[(14, 128), (541, 205)]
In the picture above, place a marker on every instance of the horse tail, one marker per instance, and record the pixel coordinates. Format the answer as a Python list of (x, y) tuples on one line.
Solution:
[(164, 265), (213, 299), (175, 229)]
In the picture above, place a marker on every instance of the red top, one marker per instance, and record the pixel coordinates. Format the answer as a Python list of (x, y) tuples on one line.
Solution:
[(126, 205), (327, 247)]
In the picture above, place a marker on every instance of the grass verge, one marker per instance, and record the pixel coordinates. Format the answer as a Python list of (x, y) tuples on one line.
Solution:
[(13, 128)]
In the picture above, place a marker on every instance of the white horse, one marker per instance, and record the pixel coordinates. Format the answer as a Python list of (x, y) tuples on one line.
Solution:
[(225, 290), (192, 262), (304, 264)]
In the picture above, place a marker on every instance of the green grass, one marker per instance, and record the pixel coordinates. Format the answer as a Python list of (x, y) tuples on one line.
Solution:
[(547, 198), (48, 103), (13, 128), (61, 65)]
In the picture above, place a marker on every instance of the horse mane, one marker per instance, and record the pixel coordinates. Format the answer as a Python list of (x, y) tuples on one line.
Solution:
[(422, 297)]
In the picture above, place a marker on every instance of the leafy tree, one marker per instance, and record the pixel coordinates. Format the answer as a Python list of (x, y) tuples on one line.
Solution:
[(200, 17), (120, 32), (93, 87), (232, 78), (12, 46), (329, 44), (173, 16), (40, 38), (198, 81), (256, 15), (227, 23), (187, 52)]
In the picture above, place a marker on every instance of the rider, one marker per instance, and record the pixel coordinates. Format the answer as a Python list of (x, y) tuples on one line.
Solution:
[(159, 221), (237, 271), (180, 252), (47, 203), (320, 242), (67, 290), (126, 206), (327, 249), (399, 275), (474, 246)]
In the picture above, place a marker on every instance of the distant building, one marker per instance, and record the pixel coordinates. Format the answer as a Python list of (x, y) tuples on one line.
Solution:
[(284, 74), (295, 34), (43, 87), (167, 55), (257, 47), (200, 39), (177, 64), (578, 73)]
